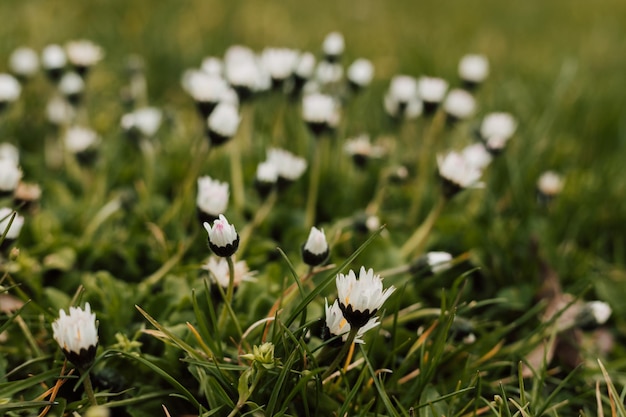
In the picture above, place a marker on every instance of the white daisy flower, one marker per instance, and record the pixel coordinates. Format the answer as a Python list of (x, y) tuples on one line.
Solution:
[(477, 155), (207, 90), (16, 226), (333, 46), (220, 274), (431, 90), (24, 62), (457, 173), (83, 54), (145, 120), (59, 112), (320, 112), (10, 152), (315, 251), (328, 72), (360, 298), (305, 67), (459, 105), (337, 325), (498, 125), (223, 238), (550, 184), (289, 166), (72, 87), (279, 62), (212, 66), (361, 73), (212, 197), (438, 261), (10, 89), (401, 99), (473, 69), (223, 123), (77, 335), (53, 58), (10, 175), (362, 150), (79, 139)]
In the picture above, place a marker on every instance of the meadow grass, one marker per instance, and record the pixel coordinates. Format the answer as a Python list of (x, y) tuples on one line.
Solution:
[(122, 233)]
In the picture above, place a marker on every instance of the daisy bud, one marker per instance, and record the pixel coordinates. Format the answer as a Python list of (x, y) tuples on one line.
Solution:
[(593, 314), (333, 46), (432, 263), (360, 73), (143, 122), (459, 105), (24, 63), (328, 73), (303, 71), (457, 174), (401, 100), (289, 166), (83, 54), (223, 238), (10, 176), (365, 223), (27, 195), (320, 112), (223, 123), (315, 251), (337, 325), (53, 61), (82, 142), (549, 185), (59, 112), (77, 335), (72, 87), (361, 150), (431, 90), (212, 198), (242, 71), (212, 66), (279, 63), (477, 156), (10, 152), (398, 174), (10, 90), (462, 330), (207, 90), (266, 178), (498, 125), (360, 298), (16, 227), (473, 70), (219, 273), (262, 355)]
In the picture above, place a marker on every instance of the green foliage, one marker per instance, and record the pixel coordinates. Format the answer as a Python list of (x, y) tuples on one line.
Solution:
[(496, 334)]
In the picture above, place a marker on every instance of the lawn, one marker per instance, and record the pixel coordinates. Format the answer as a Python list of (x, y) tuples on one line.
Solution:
[(523, 316)]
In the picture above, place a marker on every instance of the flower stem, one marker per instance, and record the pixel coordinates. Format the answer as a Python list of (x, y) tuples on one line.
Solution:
[(236, 175), (242, 399), (261, 214), (342, 353), (311, 202), (418, 239), (425, 158), (228, 298), (88, 387)]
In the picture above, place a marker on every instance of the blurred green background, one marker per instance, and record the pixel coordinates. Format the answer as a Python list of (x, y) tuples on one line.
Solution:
[(557, 65)]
